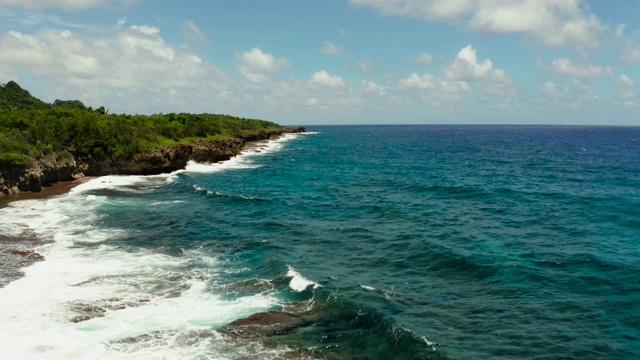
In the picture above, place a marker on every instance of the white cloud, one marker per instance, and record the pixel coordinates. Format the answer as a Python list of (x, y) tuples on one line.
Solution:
[(62, 4), (330, 48), (367, 66), (575, 94), (425, 9), (620, 30), (424, 58), (458, 75), (498, 83), (258, 66), (121, 23), (371, 87), (431, 82), (192, 33), (426, 81), (121, 69), (564, 66), (631, 55), (550, 90), (466, 67), (553, 22), (583, 92), (626, 90), (325, 79)]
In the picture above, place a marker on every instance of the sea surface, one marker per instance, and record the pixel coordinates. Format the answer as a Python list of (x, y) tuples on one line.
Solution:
[(360, 242)]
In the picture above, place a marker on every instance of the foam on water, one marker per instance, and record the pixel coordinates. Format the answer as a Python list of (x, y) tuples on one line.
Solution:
[(120, 181), (110, 293), (113, 294), (298, 282), (243, 160), (368, 288), (88, 300)]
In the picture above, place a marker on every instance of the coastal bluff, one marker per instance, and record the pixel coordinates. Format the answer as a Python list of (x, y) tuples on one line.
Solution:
[(51, 169)]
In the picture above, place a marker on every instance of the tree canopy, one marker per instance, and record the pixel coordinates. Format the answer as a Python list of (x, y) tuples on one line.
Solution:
[(31, 128)]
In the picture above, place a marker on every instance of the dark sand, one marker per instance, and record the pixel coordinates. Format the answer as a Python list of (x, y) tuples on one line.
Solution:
[(58, 188)]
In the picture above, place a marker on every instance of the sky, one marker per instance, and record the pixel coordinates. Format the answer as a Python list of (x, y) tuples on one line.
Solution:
[(305, 62)]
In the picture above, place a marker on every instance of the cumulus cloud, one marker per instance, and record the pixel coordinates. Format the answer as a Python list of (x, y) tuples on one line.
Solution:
[(371, 87), (626, 90), (366, 66), (121, 23), (425, 9), (466, 67), (551, 90), (498, 82), (432, 82), (553, 22), (426, 81), (423, 58), (119, 67), (564, 66), (257, 66), (631, 55), (575, 94), (330, 48), (135, 70), (323, 78), (62, 4)]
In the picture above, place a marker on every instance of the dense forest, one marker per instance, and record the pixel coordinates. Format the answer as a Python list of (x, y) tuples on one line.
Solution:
[(31, 128)]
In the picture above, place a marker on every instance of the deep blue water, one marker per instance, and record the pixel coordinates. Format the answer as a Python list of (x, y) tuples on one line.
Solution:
[(417, 242)]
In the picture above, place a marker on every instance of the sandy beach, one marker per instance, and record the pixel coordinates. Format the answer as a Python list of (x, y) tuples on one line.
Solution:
[(58, 188)]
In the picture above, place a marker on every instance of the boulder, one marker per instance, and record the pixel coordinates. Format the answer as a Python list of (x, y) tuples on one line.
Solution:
[(262, 324)]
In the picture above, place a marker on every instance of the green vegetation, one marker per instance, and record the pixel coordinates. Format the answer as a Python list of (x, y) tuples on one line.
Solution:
[(14, 97), (30, 128)]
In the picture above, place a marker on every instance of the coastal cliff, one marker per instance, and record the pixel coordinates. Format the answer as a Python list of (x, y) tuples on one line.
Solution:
[(51, 169)]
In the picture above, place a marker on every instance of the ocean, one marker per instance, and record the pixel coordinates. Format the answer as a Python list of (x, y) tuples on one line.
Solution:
[(346, 242)]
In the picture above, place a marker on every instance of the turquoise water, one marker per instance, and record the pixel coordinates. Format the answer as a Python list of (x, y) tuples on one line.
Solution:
[(387, 242)]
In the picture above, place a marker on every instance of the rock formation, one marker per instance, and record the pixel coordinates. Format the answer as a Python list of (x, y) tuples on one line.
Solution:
[(51, 169)]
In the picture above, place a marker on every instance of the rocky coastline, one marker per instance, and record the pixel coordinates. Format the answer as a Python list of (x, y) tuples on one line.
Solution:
[(52, 169)]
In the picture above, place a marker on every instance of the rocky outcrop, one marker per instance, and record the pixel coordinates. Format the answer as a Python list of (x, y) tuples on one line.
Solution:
[(262, 324), (52, 169), (43, 172)]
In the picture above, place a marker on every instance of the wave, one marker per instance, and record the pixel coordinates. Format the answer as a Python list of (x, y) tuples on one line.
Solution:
[(96, 296), (106, 298), (298, 282)]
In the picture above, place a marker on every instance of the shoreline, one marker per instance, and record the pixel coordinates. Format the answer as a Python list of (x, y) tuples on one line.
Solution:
[(52, 168), (63, 187), (17, 252), (59, 188)]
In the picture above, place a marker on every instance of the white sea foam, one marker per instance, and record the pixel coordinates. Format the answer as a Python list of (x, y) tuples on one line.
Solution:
[(244, 159), (127, 304), (238, 162), (121, 182), (123, 294), (368, 288), (298, 282)]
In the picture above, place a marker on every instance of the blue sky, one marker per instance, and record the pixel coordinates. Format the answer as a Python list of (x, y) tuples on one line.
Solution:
[(333, 61)]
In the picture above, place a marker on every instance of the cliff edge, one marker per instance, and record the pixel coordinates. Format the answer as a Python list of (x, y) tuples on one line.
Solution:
[(51, 169)]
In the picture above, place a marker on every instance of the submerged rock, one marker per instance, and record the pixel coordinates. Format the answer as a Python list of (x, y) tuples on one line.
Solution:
[(262, 324)]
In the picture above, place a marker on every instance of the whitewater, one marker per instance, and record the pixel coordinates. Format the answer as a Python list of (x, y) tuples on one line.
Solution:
[(372, 242)]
